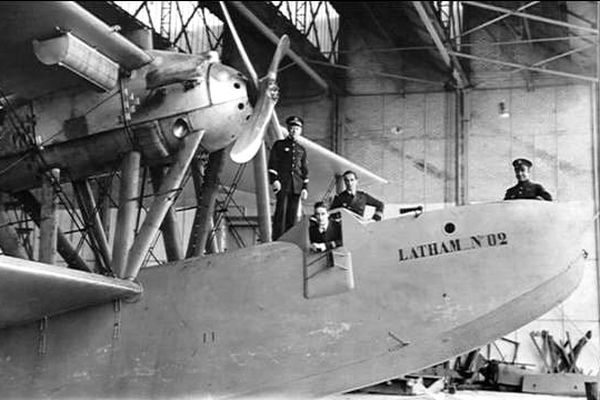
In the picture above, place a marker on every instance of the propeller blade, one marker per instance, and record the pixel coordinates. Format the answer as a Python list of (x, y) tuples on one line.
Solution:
[(282, 47), (248, 143)]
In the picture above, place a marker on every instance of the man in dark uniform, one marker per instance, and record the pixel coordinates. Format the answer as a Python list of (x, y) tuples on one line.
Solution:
[(288, 174), (525, 189), (356, 200), (324, 233)]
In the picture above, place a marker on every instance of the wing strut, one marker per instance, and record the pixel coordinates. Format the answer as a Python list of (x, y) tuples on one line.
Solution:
[(162, 202), (265, 107), (170, 226), (128, 192)]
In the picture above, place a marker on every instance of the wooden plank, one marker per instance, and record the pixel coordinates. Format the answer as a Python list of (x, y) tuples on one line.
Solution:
[(557, 384)]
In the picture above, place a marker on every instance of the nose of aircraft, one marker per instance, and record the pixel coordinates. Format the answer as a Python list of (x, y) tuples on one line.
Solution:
[(462, 262), (551, 235), (226, 84)]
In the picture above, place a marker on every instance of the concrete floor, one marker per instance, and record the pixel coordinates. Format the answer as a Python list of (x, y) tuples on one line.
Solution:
[(460, 395)]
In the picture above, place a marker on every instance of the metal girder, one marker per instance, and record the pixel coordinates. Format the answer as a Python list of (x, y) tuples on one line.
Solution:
[(529, 16), (378, 73), (162, 202), (526, 67), (497, 19), (436, 32), (266, 31), (556, 57)]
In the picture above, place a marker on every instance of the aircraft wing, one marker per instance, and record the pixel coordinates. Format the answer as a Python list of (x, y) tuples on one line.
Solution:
[(30, 290), (21, 22), (323, 166)]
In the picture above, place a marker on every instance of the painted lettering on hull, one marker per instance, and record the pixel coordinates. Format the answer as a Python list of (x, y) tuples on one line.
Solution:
[(453, 246)]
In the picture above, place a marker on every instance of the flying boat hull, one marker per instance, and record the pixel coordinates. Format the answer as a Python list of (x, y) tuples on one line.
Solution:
[(243, 324)]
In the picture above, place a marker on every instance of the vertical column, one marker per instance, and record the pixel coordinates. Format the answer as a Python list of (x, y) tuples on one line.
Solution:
[(262, 194), (450, 155), (124, 233), (49, 218), (596, 158), (461, 149)]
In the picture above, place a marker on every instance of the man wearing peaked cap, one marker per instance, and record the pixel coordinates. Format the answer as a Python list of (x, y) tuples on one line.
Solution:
[(294, 121), (525, 189), (288, 174), (522, 161)]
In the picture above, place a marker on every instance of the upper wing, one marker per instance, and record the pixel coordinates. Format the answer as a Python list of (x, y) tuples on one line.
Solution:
[(22, 21), (30, 290), (323, 166)]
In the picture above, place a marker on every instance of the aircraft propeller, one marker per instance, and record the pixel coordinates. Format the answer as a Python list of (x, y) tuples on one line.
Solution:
[(249, 142)]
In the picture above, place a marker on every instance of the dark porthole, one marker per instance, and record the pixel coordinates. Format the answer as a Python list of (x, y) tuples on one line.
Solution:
[(237, 85), (449, 227), (241, 106)]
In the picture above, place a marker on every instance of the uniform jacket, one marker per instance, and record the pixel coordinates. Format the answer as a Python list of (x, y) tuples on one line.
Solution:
[(527, 190), (287, 164), (332, 236), (357, 203)]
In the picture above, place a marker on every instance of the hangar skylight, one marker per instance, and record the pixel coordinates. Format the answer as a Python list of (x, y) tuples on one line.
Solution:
[(186, 24), (318, 21)]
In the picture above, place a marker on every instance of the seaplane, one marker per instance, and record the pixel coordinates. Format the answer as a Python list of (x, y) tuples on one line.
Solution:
[(80, 100)]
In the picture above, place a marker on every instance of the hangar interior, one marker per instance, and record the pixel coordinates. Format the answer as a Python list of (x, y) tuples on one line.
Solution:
[(436, 97)]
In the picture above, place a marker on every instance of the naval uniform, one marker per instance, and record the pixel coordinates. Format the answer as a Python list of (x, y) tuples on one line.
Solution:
[(288, 165), (527, 190), (357, 203)]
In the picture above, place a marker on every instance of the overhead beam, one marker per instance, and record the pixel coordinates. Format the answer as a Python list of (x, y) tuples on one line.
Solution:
[(558, 56), (436, 33), (269, 34), (529, 16), (498, 19), (378, 73), (527, 67)]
